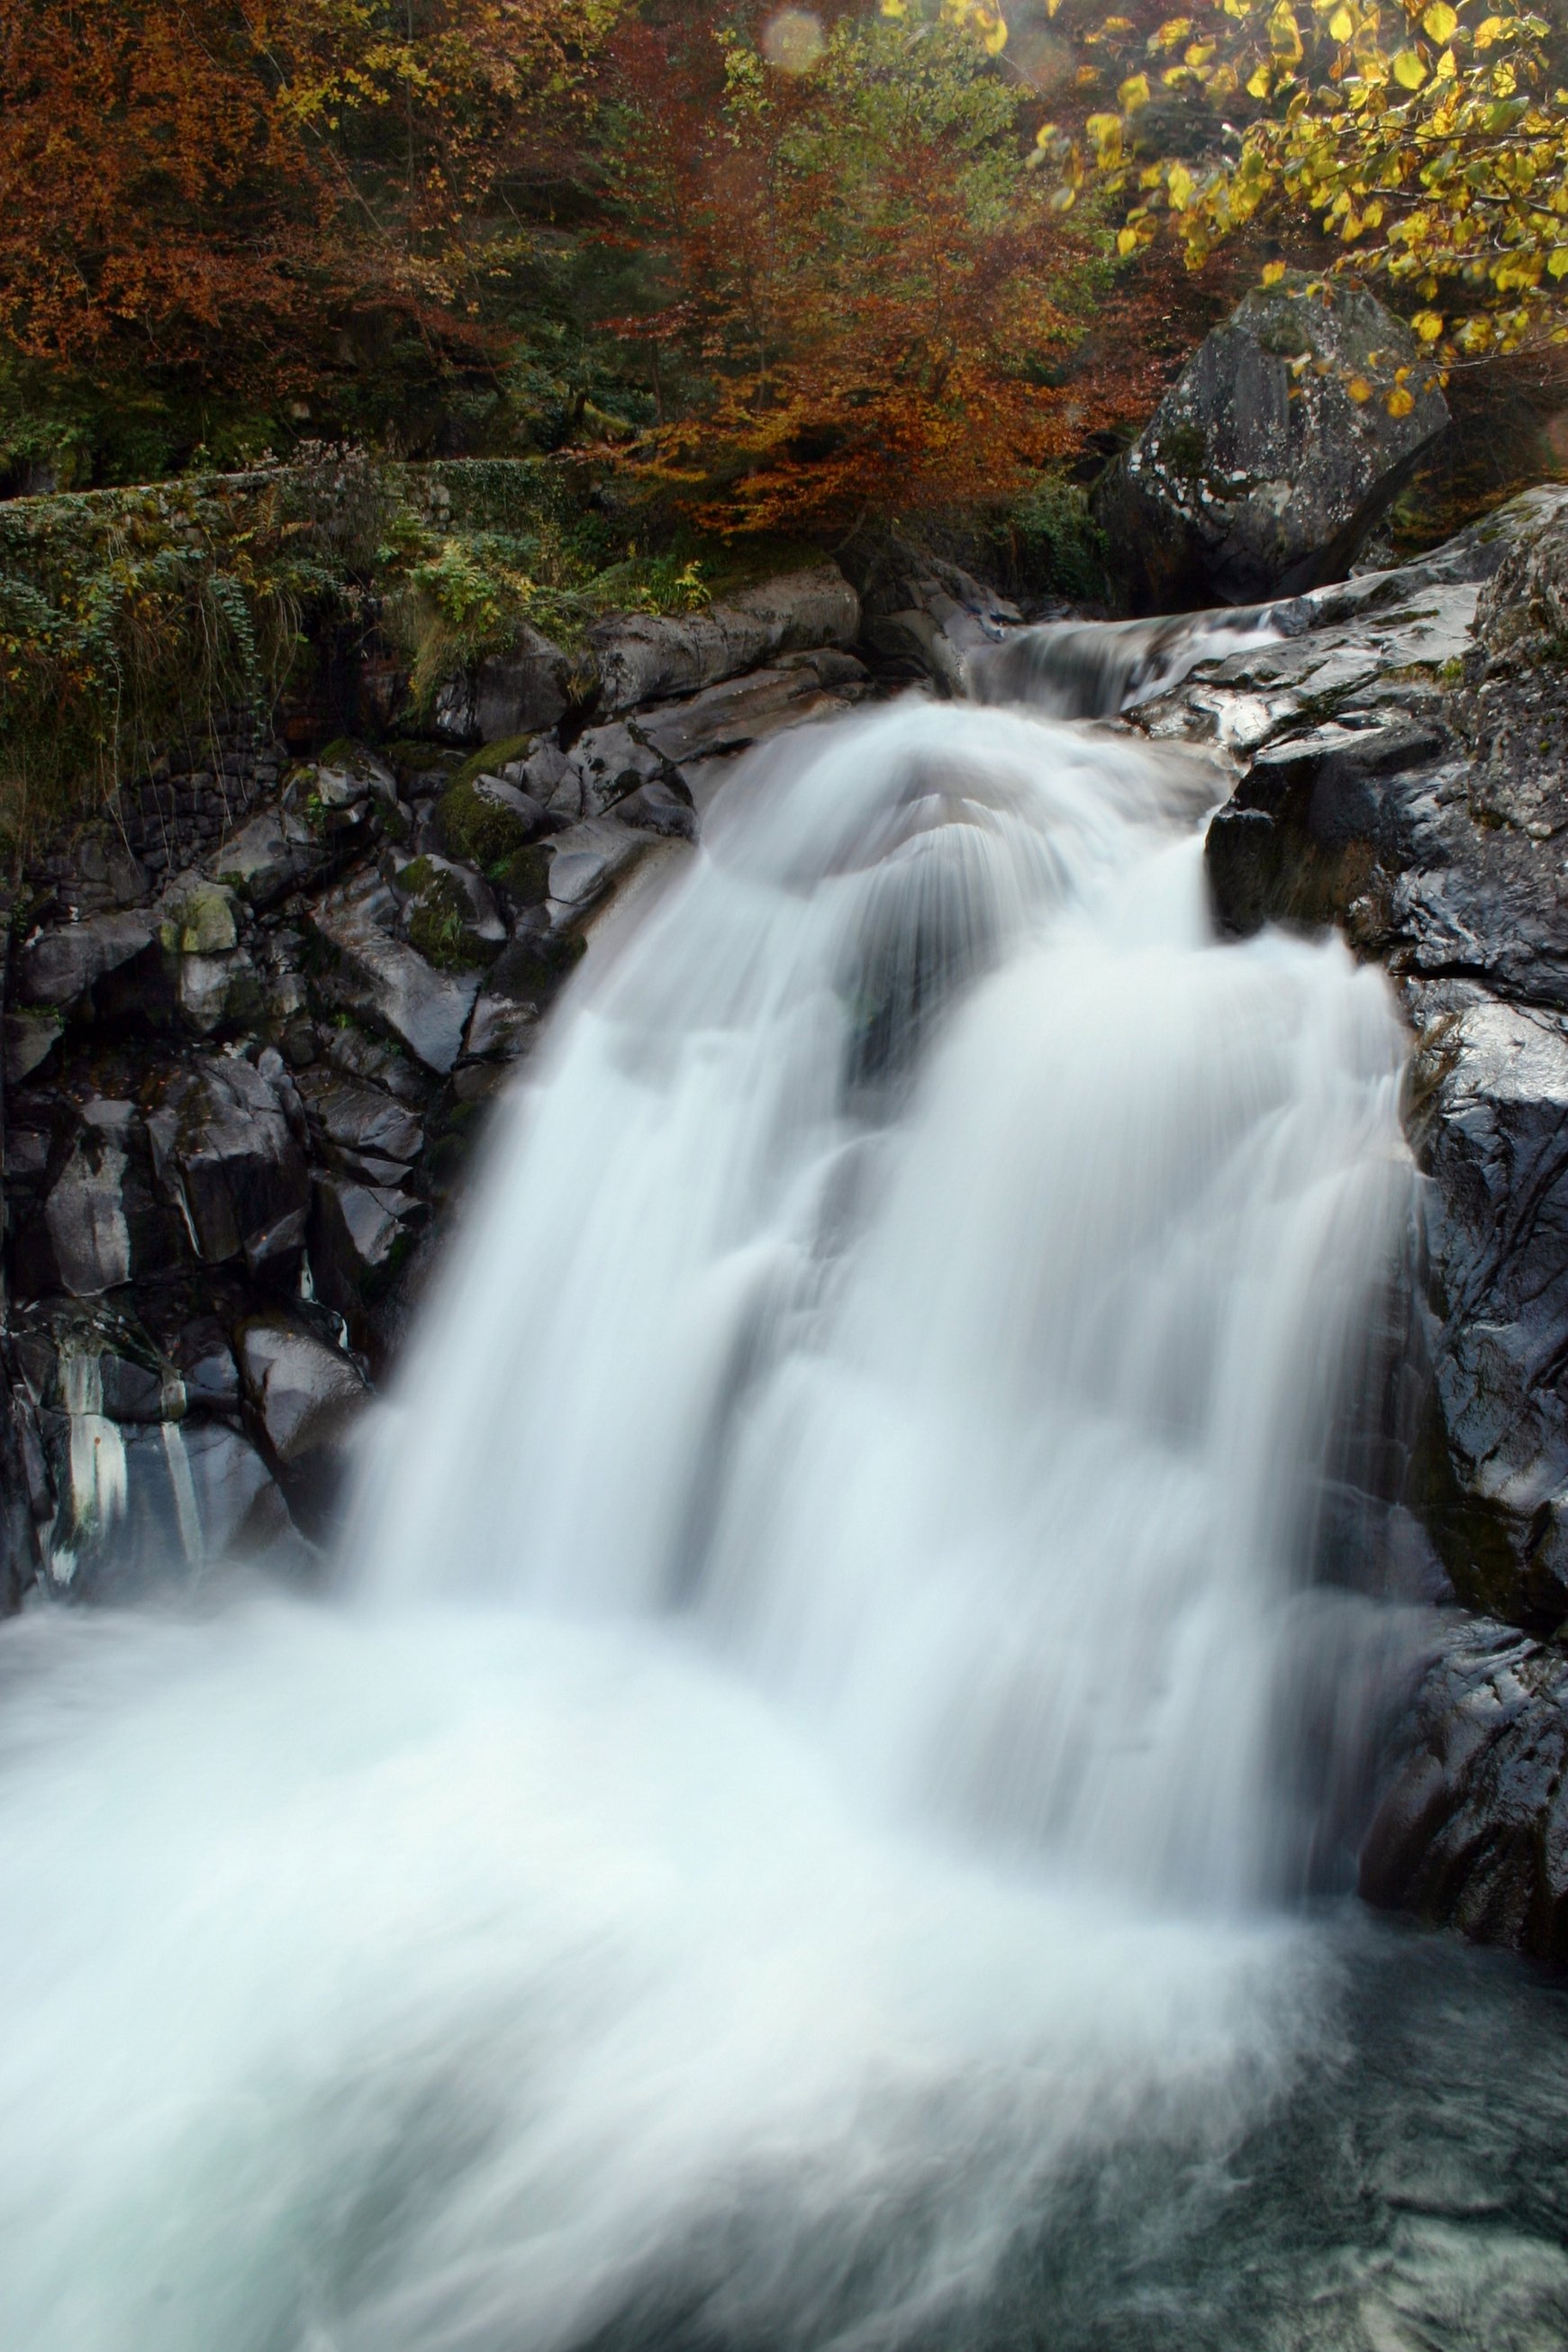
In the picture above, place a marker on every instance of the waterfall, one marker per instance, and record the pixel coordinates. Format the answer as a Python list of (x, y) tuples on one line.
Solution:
[(797, 1760), (925, 1273)]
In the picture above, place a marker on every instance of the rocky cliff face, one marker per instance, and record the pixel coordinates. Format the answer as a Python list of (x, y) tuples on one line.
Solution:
[(252, 1022), (1402, 758)]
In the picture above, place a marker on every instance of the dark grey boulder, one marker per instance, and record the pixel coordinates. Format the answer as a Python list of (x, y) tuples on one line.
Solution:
[(1268, 461), (388, 982), (647, 658), (927, 618), (30, 1039), (1472, 1830), (368, 1129), (741, 711), (262, 866), (60, 966), (227, 1155), (361, 1236), (533, 686), (102, 1223), (305, 1396)]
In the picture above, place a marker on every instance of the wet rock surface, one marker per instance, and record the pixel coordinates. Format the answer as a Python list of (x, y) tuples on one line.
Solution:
[(252, 1029), (1270, 458), (1401, 753)]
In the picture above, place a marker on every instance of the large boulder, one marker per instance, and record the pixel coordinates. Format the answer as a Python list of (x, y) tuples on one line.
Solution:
[(305, 1395), (386, 981), (1268, 462), (644, 658), (103, 1221), (227, 1155), (532, 686)]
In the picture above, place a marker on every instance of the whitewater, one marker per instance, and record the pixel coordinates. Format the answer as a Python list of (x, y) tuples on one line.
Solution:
[(815, 1806)]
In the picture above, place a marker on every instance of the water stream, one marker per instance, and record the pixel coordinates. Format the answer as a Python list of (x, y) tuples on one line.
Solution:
[(810, 1814)]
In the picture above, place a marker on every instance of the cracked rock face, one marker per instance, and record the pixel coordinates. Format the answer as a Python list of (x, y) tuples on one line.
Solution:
[(1402, 773), (245, 1068), (1270, 458)]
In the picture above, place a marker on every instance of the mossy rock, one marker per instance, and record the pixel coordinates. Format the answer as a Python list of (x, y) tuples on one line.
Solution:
[(523, 879), (491, 758), (438, 925), (477, 831)]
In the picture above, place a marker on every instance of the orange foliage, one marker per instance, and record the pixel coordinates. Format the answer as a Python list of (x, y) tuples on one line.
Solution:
[(859, 269), (186, 178)]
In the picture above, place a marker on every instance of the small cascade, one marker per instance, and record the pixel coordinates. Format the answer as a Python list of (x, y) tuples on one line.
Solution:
[(1092, 669)]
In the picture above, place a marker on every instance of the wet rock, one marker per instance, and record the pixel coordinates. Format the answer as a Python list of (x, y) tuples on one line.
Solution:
[(227, 1156), (30, 1039), (140, 1506), (101, 1224), (731, 717), (388, 982), (208, 1372), (501, 1028), (644, 659), (534, 686), (306, 1395), (585, 861), (360, 1236), (1267, 463), (1490, 1126), (262, 866), (370, 1131), (1472, 1829), (61, 966), (927, 618), (664, 809)]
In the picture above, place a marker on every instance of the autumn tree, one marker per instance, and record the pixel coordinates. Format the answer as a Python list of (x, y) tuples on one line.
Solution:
[(215, 184), (857, 286), (1423, 144)]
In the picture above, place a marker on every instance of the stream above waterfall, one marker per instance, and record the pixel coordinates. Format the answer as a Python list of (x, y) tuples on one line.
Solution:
[(819, 1806)]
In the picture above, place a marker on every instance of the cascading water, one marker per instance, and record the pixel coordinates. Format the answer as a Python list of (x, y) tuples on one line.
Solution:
[(778, 1840)]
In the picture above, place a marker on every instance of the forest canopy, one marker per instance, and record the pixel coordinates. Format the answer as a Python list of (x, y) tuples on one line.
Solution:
[(781, 267)]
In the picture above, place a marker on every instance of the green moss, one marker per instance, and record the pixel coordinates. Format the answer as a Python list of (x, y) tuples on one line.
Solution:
[(478, 831), (522, 879), (439, 928), (491, 758)]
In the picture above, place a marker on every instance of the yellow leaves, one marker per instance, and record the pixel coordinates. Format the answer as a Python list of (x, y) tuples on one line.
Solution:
[(1105, 131), (1428, 325), (1258, 82), (1126, 241), (1399, 402), (1491, 30), (1440, 21), (1409, 71), (1359, 390), (1180, 186), (1557, 262), (1272, 273), (1173, 30), (1447, 68), (1504, 81), (1341, 25), (1133, 93), (1285, 34)]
